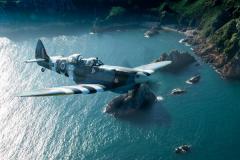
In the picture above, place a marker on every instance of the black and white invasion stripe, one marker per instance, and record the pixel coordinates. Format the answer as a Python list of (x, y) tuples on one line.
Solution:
[(86, 88)]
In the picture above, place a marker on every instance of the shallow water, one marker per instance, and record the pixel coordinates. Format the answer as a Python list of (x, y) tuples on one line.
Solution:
[(75, 127)]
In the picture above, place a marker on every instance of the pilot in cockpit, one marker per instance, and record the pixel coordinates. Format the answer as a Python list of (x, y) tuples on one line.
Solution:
[(79, 60), (92, 61), (75, 58)]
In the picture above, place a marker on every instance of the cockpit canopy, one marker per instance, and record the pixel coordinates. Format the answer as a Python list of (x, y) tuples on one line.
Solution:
[(79, 60), (74, 58)]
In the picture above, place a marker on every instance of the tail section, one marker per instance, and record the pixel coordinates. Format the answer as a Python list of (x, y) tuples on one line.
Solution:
[(40, 52), (41, 56)]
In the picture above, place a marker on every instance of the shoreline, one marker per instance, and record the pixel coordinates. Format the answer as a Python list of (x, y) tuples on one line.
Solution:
[(207, 52), (200, 46)]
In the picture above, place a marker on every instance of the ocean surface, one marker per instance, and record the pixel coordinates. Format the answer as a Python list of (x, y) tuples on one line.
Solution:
[(75, 127)]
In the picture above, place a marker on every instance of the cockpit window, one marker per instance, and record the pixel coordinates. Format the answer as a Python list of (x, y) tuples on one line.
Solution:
[(79, 60), (94, 61), (75, 58)]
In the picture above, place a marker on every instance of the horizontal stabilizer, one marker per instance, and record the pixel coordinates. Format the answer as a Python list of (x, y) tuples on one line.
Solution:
[(65, 90), (35, 60)]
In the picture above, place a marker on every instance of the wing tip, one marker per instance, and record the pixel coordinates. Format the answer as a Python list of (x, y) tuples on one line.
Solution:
[(169, 62), (23, 95), (166, 62)]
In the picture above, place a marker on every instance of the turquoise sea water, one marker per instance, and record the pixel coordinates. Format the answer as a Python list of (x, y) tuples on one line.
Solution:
[(75, 127)]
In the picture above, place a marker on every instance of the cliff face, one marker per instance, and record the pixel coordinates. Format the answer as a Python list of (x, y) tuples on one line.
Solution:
[(218, 39)]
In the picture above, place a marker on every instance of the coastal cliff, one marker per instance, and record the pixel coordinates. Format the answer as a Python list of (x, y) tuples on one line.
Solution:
[(216, 35)]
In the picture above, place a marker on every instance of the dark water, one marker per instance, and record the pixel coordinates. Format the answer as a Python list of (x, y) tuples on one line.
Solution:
[(75, 127)]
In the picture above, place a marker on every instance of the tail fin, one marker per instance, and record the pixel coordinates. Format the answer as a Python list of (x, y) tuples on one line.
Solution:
[(40, 52)]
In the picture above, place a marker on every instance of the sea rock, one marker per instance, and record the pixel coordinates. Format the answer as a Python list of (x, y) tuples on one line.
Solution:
[(183, 149), (193, 79), (179, 60), (177, 91), (128, 103), (153, 31)]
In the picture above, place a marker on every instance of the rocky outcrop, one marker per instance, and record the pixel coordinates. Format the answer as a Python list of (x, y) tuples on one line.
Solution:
[(153, 31), (179, 60), (127, 104), (231, 69), (177, 91), (226, 65), (194, 79)]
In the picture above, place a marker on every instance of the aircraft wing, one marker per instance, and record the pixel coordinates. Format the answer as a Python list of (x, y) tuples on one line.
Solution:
[(148, 68), (152, 67), (66, 90)]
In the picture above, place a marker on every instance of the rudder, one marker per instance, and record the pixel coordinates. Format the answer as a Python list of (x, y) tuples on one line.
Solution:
[(40, 52)]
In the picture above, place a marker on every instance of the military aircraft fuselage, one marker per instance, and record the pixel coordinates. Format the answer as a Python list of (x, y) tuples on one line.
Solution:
[(93, 71)]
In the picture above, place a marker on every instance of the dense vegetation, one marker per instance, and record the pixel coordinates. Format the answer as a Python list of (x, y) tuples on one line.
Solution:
[(218, 20)]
